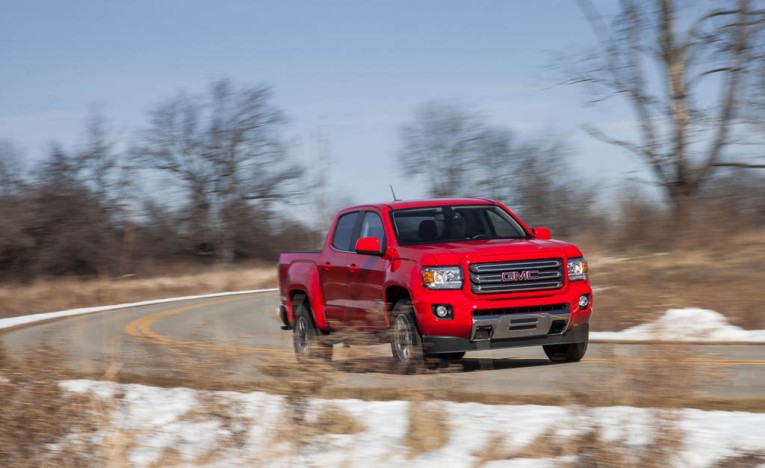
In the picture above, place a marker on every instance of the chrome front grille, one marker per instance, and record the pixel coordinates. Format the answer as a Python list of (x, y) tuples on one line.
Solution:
[(516, 276)]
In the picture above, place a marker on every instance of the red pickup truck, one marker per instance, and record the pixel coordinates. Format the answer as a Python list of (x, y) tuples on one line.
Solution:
[(436, 278)]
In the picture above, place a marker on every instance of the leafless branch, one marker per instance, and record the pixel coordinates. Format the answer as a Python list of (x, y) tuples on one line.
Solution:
[(730, 96), (640, 151)]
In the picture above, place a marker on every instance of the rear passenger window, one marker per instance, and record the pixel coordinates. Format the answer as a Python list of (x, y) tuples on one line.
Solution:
[(341, 239)]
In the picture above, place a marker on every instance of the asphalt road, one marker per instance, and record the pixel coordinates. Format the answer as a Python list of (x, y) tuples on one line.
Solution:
[(162, 339)]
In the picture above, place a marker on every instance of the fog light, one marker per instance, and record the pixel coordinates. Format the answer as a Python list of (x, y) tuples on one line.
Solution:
[(442, 311), (584, 301)]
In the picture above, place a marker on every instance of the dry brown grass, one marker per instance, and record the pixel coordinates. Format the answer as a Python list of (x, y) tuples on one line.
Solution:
[(664, 377), (494, 449), (40, 424), (28, 427), (744, 460), (231, 419), (640, 286), (301, 421), (590, 446), (43, 425), (333, 419), (663, 381), (429, 428), (48, 295)]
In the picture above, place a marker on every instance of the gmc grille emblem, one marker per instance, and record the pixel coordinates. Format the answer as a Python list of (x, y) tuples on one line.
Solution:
[(520, 275)]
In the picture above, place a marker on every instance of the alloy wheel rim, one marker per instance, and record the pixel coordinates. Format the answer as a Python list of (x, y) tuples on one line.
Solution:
[(403, 339), (301, 336)]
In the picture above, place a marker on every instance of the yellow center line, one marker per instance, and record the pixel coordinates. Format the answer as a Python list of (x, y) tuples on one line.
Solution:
[(141, 328)]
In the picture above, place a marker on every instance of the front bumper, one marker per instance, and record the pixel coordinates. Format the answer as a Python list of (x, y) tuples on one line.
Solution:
[(452, 344), (472, 311)]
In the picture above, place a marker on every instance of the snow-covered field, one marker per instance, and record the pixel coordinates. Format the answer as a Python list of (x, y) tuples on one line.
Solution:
[(161, 420)]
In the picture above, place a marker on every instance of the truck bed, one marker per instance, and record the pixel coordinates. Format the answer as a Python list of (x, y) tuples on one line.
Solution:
[(287, 258)]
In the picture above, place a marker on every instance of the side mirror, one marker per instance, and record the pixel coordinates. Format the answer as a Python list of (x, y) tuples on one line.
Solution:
[(541, 233), (368, 246)]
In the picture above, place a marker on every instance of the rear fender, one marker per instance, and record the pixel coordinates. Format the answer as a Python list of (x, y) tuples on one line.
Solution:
[(303, 278)]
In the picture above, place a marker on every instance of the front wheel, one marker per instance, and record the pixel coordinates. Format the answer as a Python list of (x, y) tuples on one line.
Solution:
[(571, 352), (405, 340)]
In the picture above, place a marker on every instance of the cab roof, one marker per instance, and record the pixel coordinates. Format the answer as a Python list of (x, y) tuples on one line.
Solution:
[(404, 204)]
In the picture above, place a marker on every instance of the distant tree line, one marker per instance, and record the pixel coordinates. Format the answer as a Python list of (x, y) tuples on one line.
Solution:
[(457, 153), (452, 149), (208, 180), (694, 81)]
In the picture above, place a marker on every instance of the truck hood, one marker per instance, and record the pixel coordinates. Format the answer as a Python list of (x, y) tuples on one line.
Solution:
[(452, 253)]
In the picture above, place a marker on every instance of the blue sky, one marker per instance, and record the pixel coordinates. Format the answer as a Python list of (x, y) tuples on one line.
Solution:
[(353, 70)]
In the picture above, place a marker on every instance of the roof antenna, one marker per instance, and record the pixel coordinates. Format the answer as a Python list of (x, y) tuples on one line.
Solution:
[(394, 194)]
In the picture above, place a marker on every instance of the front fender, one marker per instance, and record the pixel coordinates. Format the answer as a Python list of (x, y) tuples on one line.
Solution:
[(402, 275)]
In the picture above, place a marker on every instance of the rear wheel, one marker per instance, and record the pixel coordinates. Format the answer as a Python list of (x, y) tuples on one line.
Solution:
[(566, 352), (405, 340), (305, 338)]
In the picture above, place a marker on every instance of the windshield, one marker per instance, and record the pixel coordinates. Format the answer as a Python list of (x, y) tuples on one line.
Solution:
[(436, 224)]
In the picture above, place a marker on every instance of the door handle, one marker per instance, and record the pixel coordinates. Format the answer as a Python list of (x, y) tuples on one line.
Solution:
[(327, 266), (353, 268)]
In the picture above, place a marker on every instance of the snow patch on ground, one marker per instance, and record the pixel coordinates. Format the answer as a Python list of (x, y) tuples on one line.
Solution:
[(691, 324), (160, 419), (25, 319)]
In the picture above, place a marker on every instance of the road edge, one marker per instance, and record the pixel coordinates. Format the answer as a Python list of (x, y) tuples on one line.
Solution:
[(10, 323)]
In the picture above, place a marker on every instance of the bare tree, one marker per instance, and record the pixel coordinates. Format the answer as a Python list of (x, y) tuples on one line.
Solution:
[(690, 120), (497, 162), (102, 168), (225, 151), (539, 184), (73, 232), (11, 168), (459, 154), (15, 240), (107, 172), (441, 144)]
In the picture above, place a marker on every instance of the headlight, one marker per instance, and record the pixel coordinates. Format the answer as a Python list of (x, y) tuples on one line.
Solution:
[(442, 277), (577, 269)]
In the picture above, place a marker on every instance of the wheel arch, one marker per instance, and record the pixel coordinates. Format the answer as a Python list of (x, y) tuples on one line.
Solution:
[(314, 304), (393, 294)]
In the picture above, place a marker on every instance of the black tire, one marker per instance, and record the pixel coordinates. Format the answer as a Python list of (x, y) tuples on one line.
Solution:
[(572, 352), (305, 337), (450, 356), (405, 340)]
